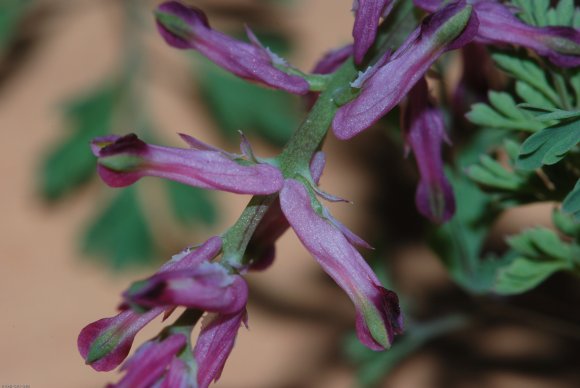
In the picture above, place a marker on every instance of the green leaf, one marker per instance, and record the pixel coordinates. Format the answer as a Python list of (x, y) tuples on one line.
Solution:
[(492, 174), (569, 224), (571, 203), (536, 254), (503, 113), (120, 235), (11, 12), (71, 162), (526, 70), (191, 205), (549, 145), (558, 114)]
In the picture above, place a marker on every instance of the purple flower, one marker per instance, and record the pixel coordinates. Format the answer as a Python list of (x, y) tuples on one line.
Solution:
[(124, 160), (187, 27), (214, 345), (366, 23), (385, 86), (498, 25), (378, 317), (424, 134), (104, 344), (208, 286), (261, 248), (154, 362)]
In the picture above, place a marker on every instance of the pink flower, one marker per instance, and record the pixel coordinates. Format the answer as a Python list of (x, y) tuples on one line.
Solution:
[(498, 25), (366, 23), (124, 160), (215, 343), (186, 27), (378, 317), (104, 344), (424, 134), (389, 81)]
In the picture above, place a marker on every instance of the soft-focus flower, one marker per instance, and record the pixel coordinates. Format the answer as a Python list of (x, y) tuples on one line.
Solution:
[(367, 16), (215, 343), (498, 25), (104, 344), (449, 28), (124, 160), (208, 286), (187, 27), (424, 134), (152, 362), (378, 317)]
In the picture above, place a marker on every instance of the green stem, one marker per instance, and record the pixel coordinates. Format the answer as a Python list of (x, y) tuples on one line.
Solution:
[(293, 161)]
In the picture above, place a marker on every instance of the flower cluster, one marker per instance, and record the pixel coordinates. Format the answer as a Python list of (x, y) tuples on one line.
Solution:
[(207, 280)]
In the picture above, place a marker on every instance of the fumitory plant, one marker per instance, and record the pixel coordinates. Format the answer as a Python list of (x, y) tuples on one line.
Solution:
[(524, 139)]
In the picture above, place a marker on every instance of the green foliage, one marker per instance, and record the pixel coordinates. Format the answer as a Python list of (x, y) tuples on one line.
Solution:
[(549, 145), (71, 163), (191, 205), (536, 254), (539, 13), (120, 234), (11, 12), (571, 204)]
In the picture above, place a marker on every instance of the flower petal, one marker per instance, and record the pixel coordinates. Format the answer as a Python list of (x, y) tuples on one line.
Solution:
[(366, 24), (424, 134), (186, 27), (378, 316), (450, 27), (214, 345), (124, 160)]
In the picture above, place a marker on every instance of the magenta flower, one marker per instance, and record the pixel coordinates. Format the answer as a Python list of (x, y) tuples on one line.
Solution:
[(124, 160), (153, 363), (214, 345), (378, 317), (104, 344), (424, 134), (366, 23), (185, 27), (386, 85), (208, 286), (498, 25)]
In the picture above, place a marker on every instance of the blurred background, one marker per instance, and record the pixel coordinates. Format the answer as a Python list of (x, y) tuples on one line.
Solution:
[(69, 245)]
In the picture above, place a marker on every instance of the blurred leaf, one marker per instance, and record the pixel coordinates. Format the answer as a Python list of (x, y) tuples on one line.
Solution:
[(238, 105), (567, 223), (571, 203), (191, 205), (536, 254), (549, 145), (120, 234), (11, 12), (71, 162)]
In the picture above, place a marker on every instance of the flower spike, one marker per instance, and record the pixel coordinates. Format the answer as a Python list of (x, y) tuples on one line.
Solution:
[(378, 317), (449, 28), (424, 134), (366, 24), (185, 27), (124, 160)]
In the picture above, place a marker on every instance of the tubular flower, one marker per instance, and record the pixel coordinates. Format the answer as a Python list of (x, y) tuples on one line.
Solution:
[(124, 160), (207, 287), (214, 345), (155, 362), (385, 86), (104, 344), (378, 317), (498, 25), (185, 27), (367, 16), (424, 134)]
